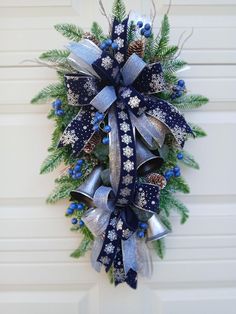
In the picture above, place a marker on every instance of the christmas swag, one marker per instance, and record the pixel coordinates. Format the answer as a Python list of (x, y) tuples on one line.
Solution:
[(120, 135)]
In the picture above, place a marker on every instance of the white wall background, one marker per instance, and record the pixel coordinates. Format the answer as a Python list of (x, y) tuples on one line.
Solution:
[(37, 275)]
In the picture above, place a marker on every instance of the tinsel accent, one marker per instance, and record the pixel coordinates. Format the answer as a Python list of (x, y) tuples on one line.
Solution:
[(137, 47), (156, 179)]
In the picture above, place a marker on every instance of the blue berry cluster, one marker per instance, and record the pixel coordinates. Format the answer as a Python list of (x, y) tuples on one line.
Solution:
[(146, 30), (76, 172), (56, 105), (99, 117), (75, 221), (178, 89), (174, 172), (142, 229), (72, 210), (106, 44)]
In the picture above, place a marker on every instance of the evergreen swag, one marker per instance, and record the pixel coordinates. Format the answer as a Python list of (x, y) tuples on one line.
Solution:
[(157, 48)]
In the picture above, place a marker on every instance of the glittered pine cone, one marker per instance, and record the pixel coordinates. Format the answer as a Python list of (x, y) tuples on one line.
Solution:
[(137, 47), (156, 179), (94, 141), (88, 35)]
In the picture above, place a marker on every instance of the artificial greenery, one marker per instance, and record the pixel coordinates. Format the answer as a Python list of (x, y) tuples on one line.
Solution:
[(156, 49)]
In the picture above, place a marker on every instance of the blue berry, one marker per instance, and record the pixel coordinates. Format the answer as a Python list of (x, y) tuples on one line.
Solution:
[(81, 223), (107, 128), (181, 83), (142, 31), (105, 140), (141, 234), (148, 33), (74, 221), (57, 102), (180, 156), (70, 172), (56, 106), (177, 174), (143, 225), (179, 93), (96, 127), (176, 169), (73, 206), (80, 206), (168, 174), (108, 42), (78, 175), (77, 168), (140, 24), (100, 116), (70, 211), (103, 46), (114, 46), (147, 27), (80, 162), (59, 112)]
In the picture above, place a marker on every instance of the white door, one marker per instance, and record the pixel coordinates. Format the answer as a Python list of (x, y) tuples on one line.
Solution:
[(37, 276)]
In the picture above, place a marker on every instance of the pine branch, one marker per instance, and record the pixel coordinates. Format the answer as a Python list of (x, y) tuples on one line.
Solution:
[(159, 247), (55, 56), (56, 135), (190, 101), (166, 222), (97, 31), (62, 191), (188, 160), (163, 40), (51, 91), (173, 65), (84, 246), (197, 130), (167, 53), (179, 184), (131, 32), (119, 10), (70, 31), (52, 161)]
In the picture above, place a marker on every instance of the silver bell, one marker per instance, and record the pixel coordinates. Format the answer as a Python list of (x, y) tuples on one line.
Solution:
[(156, 230), (146, 161), (86, 190)]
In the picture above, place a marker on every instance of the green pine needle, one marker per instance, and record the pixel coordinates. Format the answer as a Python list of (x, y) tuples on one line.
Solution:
[(190, 101), (173, 65), (197, 130), (70, 31), (188, 160), (179, 184), (52, 161), (84, 246), (55, 56), (51, 91), (159, 247), (163, 40), (119, 10), (62, 191), (97, 31)]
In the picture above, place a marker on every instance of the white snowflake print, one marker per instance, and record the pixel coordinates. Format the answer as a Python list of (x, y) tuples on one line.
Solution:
[(123, 201), (128, 151), (127, 179), (69, 137), (109, 248), (107, 63), (179, 133), (120, 42), (125, 192), (140, 200), (128, 165), (90, 88), (119, 57), (119, 225), (126, 233), (126, 139), (73, 99), (157, 83), (120, 105), (119, 274), (126, 93), (122, 115), (105, 260), (134, 102), (113, 222), (112, 235), (119, 29), (159, 114), (125, 127)]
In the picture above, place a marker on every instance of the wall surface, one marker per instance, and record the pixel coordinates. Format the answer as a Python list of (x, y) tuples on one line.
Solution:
[(37, 276)]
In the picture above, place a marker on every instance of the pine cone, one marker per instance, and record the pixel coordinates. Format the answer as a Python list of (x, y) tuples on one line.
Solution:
[(91, 37), (156, 179), (137, 47), (94, 141)]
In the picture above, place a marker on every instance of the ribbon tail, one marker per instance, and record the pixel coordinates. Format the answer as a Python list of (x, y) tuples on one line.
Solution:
[(144, 259), (129, 248), (97, 246)]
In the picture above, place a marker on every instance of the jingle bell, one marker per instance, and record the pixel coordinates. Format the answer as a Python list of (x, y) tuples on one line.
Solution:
[(86, 190), (156, 230), (146, 161)]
